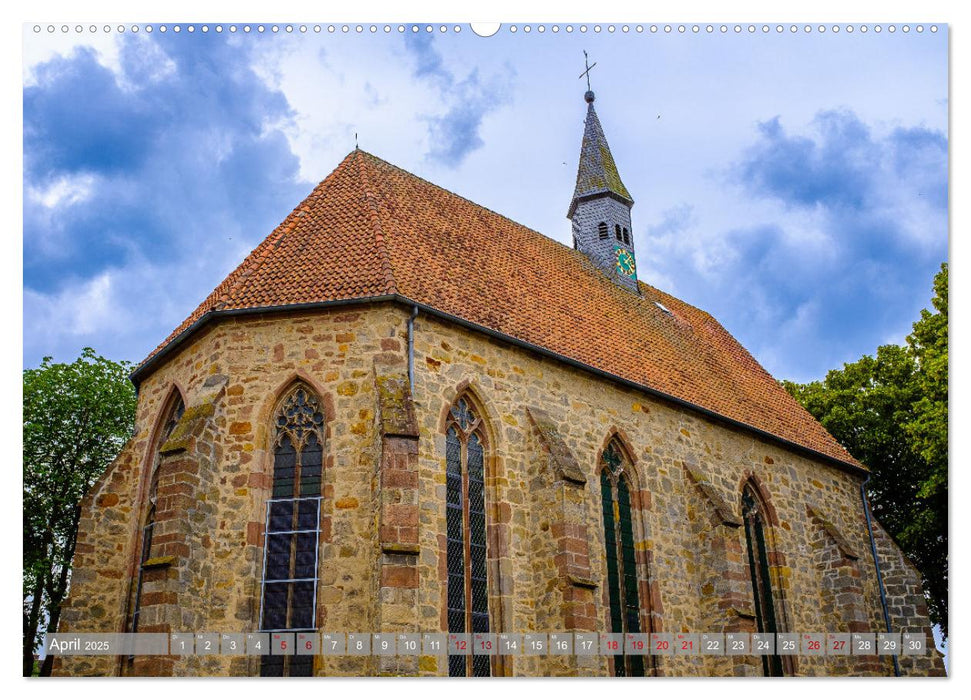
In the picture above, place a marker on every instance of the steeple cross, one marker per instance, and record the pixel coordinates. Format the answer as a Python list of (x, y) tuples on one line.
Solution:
[(586, 73)]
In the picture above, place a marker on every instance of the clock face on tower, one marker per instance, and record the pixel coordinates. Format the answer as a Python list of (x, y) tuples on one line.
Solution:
[(625, 262)]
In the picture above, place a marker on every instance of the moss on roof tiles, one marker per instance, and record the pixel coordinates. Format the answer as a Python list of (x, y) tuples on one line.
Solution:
[(597, 171)]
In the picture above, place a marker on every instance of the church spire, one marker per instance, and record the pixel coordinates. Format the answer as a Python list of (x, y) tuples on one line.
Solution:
[(597, 173), (601, 204)]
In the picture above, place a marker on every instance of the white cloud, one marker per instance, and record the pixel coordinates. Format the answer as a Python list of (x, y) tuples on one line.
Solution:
[(362, 87), (82, 310), (64, 191), (43, 46)]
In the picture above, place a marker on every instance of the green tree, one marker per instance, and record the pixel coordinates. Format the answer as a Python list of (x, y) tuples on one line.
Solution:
[(926, 534), (76, 419), (890, 412)]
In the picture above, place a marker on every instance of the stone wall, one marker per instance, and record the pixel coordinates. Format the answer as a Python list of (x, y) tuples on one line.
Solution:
[(698, 576), (382, 565), (102, 574)]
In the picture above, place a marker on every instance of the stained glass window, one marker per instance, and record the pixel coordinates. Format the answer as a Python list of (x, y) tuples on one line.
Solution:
[(467, 603), (289, 586), (753, 512), (622, 592)]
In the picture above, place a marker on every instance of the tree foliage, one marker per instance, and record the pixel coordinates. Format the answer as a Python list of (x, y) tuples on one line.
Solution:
[(890, 412), (77, 417)]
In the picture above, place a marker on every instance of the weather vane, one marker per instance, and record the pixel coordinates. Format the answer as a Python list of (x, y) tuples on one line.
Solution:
[(586, 73)]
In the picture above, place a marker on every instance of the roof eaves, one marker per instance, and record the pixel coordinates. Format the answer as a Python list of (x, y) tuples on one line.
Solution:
[(590, 194), (139, 373)]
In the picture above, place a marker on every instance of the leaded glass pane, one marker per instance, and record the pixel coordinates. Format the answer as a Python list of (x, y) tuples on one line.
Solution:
[(308, 510), (635, 663), (455, 543), (301, 666), (280, 516), (456, 602), (477, 536), (284, 468), (481, 667), (302, 605), (275, 606), (305, 558), (277, 557), (311, 459), (147, 536), (610, 540), (456, 665), (627, 550), (271, 666), (480, 605)]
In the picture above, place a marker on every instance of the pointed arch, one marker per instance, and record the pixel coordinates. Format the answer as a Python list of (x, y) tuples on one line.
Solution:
[(758, 518), (619, 439), (752, 481), (168, 417), (626, 593), (470, 391), (174, 402), (640, 498), (472, 530), (269, 408), (288, 587)]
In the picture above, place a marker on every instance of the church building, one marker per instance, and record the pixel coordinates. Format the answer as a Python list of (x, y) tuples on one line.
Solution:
[(405, 413)]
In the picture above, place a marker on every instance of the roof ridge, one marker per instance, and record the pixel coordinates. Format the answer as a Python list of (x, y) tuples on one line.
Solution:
[(464, 199), (566, 247), (375, 218)]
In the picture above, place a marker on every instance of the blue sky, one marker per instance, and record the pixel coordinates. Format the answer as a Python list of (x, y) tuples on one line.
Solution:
[(793, 185)]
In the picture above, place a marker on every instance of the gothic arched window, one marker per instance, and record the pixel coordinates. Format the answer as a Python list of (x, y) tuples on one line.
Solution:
[(615, 495), (175, 410), (289, 587), (602, 230), (754, 515), (465, 524)]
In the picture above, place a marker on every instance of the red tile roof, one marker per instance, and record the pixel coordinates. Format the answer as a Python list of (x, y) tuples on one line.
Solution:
[(371, 229)]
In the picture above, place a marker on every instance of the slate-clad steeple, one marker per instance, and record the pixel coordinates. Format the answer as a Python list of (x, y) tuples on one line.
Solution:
[(600, 208)]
